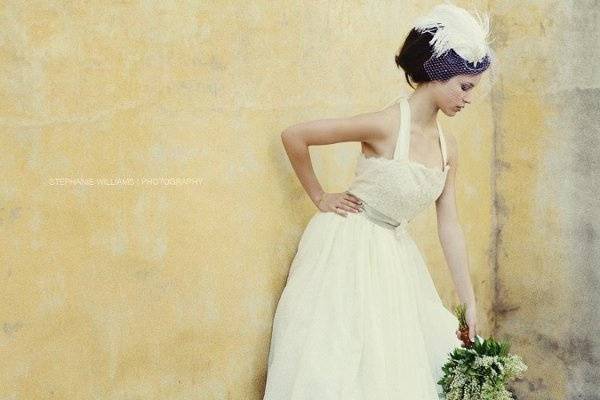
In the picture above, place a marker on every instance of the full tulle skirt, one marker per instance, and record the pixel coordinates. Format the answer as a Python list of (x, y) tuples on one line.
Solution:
[(359, 317)]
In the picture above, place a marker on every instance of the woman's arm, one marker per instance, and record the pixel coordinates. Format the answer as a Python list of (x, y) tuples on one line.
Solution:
[(366, 127), (452, 237)]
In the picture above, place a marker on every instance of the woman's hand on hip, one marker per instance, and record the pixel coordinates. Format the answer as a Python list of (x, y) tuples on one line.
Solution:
[(340, 203)]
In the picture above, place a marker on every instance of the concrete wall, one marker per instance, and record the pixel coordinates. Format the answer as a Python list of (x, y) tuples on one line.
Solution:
[(122, 282), (545, 177)]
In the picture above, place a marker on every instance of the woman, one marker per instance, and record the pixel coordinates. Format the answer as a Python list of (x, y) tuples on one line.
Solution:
[(359, 317)]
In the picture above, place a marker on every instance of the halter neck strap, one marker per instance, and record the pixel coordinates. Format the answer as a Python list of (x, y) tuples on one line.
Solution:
[(403, 140), (402, 148), (442, 144)]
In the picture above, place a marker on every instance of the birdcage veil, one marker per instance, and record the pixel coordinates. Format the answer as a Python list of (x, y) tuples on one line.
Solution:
[(460, 44)]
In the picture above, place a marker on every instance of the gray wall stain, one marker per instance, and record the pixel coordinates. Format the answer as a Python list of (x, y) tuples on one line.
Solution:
[(11, 328), (582, 192), (547, 297)]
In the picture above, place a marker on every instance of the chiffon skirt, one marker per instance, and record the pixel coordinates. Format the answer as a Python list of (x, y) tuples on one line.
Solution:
[(359, 317)]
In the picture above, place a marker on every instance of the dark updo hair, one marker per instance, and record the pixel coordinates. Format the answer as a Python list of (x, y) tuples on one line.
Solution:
[(413, 54)]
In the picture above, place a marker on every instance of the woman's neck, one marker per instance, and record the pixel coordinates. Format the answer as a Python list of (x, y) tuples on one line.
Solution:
[(423, 111)]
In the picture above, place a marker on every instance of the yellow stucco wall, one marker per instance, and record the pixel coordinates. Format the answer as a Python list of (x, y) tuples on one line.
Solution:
[(149, 287)]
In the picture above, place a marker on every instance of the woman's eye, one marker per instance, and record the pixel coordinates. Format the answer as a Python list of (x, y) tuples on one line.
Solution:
[(465, 88)]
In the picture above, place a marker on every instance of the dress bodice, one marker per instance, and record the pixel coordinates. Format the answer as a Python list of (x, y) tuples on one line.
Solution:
[(399, 188)]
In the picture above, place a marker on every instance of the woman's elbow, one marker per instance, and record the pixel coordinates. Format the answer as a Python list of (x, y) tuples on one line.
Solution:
[(287, 133), (290, 135)]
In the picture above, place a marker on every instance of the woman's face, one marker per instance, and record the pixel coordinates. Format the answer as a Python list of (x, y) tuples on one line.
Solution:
[(455, 93)]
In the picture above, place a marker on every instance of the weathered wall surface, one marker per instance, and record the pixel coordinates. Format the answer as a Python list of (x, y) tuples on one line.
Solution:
[(545, 183), (124, 285)]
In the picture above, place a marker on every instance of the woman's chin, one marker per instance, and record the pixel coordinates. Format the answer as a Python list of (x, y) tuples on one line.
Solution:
[(450, 112)]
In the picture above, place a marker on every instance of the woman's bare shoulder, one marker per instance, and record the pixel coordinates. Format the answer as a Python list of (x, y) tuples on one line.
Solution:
[(389, 118), (366, 126)]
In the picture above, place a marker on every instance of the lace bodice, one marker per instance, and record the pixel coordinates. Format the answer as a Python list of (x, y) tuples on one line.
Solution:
[(398, 187)]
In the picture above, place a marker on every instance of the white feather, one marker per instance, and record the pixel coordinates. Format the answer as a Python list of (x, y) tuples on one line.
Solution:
[(457, 29)]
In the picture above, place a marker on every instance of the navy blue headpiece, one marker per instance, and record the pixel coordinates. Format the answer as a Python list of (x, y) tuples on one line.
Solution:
[(459, 42), (451, 64)]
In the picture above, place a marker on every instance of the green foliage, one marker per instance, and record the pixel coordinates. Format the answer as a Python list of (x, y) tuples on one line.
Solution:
[(460, 311), (480, 372)]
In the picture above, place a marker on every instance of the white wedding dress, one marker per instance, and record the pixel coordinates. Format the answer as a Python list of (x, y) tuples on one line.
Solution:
[(360, 317)]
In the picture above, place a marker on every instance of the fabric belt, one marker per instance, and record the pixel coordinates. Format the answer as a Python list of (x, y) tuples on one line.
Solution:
[(383, 220)]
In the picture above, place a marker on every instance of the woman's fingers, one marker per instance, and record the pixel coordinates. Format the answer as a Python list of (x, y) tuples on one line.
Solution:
[(353, 206), (338, 210), (353, 198), (472, 332), (348, 203), (346, 207)]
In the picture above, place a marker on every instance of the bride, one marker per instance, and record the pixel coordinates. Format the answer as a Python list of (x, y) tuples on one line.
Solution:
[(359, 317)]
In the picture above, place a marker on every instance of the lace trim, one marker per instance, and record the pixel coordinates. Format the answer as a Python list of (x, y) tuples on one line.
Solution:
[(405, 161)]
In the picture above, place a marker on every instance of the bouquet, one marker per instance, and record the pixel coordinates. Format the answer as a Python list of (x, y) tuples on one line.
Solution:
[(479, 370)]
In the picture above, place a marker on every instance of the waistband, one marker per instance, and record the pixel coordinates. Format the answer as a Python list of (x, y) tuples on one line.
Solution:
[(381, 219)]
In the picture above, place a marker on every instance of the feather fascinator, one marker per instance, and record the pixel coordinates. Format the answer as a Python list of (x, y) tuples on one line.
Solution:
[(457, 29)]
